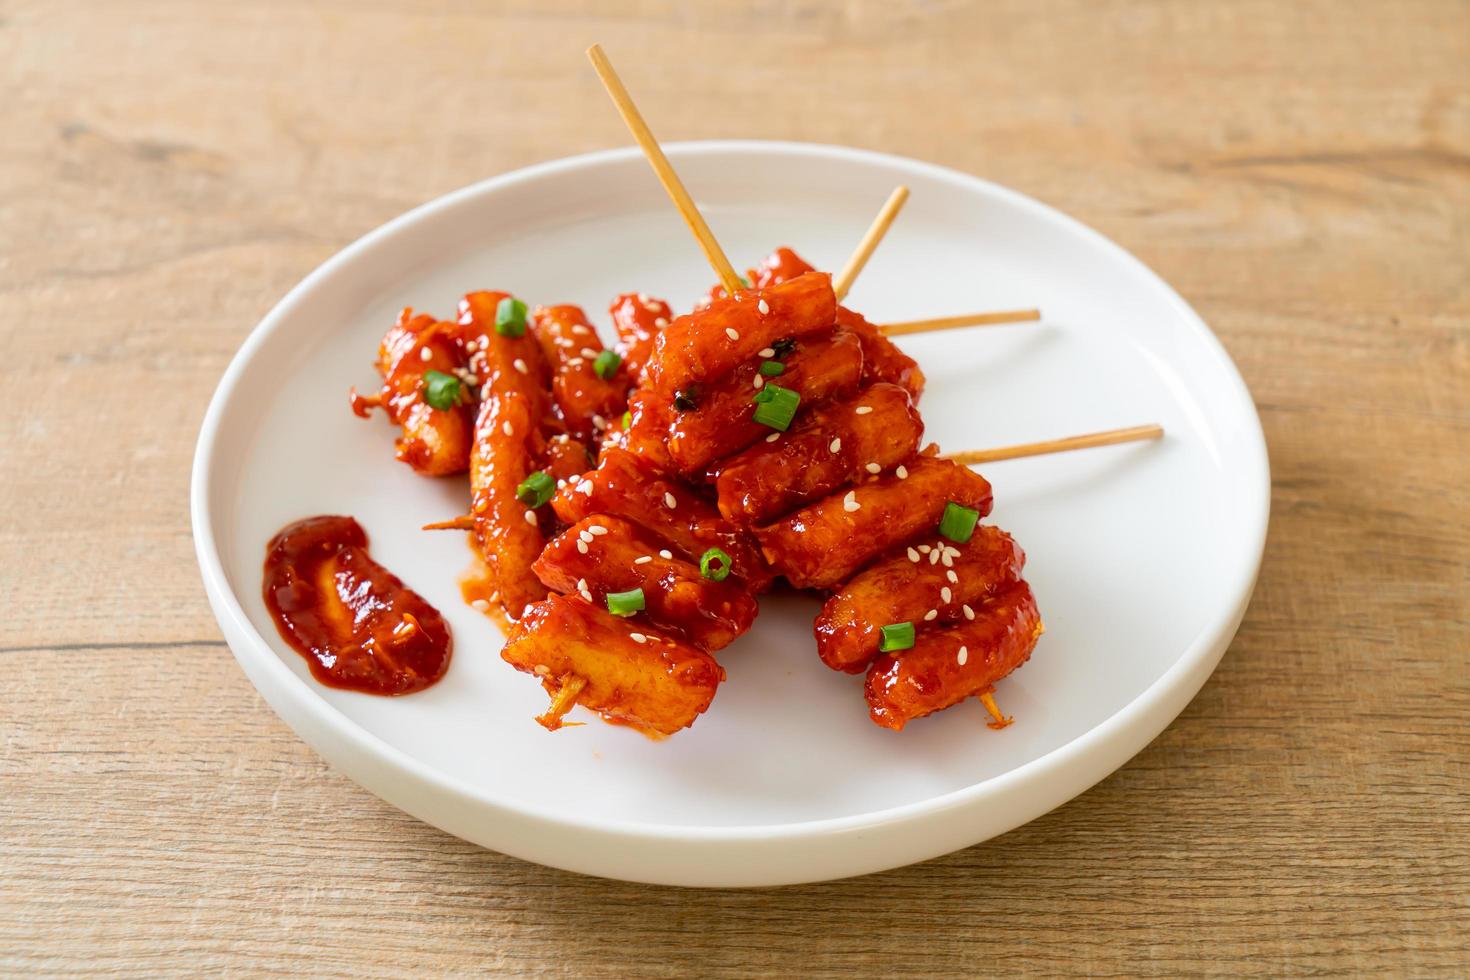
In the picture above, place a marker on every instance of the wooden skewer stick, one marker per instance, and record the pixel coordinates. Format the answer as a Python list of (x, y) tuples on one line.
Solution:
[(565, 700), (871, 238), (1111, 437), (954, 322), (969, 457), (462, 523), (663, 170)]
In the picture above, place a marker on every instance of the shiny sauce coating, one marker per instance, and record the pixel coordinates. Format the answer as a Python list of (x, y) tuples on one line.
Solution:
[(358, 626)]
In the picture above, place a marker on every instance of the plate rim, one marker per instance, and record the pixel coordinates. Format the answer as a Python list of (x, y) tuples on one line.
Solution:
[(1134, 725)]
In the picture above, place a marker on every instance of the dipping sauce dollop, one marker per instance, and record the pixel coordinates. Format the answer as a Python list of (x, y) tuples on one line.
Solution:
[(358, 626)]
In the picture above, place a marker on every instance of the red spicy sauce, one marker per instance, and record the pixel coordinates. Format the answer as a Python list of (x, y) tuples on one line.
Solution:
[(357, 625)]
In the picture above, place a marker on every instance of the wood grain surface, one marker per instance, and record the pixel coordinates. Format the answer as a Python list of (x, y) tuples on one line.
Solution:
[(1300, 171)]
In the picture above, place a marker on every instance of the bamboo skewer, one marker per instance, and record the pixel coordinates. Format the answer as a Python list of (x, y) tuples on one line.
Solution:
[(968, 457), (663, 169), (844, 280), (841, 284), (1136, 433), (954, 322)]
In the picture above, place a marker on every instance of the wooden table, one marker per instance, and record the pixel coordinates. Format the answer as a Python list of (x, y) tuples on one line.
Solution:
[(1301, 172)]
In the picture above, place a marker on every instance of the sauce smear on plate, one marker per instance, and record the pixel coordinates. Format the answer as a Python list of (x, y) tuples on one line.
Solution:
[(358, 626)]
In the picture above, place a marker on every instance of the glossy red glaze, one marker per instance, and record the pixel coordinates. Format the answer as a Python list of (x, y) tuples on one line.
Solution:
[(707, 345), (929, 677), (587, 404), (882, 360), (829, 447), (638, 320), (780, 266), (606, 554), (906, 585), (824, 544), (357, 625), (649, 417), (436, 442), (651, 681), (819, 368), (624, 487)]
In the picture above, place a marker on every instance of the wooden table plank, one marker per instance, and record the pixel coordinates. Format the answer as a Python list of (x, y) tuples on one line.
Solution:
[(1301, 172)]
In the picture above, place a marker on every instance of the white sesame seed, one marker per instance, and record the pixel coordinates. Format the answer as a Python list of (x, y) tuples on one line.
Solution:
[(597, 529), (732, 333), (425, 354), (588, 352), (582, 546), (581, 585), (934, 557), (849, 503), (931, 615), (969, 613), (903, 473), (520, 366), (542, 670), (585, 487), (873, 468), (835, 445), (962, 656), (507, 428), (471, 347), (530, 517), (924, 549), (669, 500), (481, 605), (764, 307), (638, 637), (642, 559), (585, 536), (947, 558), (946, 595), (666, 555), (863, 409), (766, 352), (599, 423), (954, 579), (662, 321), (913, 555), (495, 596), (758, 382), (773, 437), (587, 594), (576, 362)]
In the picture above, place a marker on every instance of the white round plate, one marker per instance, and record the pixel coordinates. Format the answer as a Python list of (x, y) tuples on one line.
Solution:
[(1142, 557)]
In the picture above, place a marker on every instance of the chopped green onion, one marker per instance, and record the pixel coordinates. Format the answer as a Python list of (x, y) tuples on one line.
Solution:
[(625, 603), (627, 420), (772, 369), (776, 407), (896, 636), (441, 390), (536, 489), (783, 347), (510, 317), (606, 364), (958, 522), (714, 564)]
